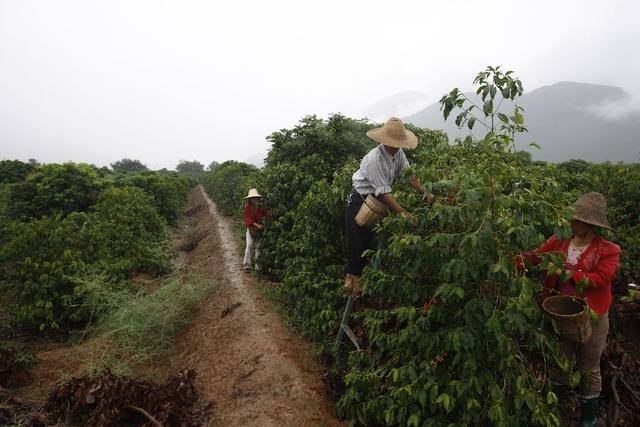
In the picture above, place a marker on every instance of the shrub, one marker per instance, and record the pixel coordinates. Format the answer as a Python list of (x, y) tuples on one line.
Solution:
[(169, 191), (126, 234), (41, 261), (228, 184), (55, 189)]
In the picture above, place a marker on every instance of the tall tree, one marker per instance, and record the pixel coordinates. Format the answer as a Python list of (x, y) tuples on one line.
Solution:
[(193, 166), (128, 165)]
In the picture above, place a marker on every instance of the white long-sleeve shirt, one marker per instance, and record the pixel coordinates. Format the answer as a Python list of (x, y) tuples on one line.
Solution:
[(378, 170)]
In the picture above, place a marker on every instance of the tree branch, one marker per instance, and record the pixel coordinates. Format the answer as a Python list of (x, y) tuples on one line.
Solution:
[(146, 414)]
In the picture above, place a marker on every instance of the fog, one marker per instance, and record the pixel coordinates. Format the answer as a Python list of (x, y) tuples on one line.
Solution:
[(160, 81)]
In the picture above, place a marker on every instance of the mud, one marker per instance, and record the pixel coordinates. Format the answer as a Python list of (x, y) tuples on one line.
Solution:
[(257, 372)]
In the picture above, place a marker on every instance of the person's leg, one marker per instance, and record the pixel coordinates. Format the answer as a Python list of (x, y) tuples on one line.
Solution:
[(246, 263), (588, 361), (256, 254), (358, 239)]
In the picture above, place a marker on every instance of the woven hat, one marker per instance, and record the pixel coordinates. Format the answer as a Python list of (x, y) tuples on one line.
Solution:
[(394, 134), (253, 193), (591, 208)]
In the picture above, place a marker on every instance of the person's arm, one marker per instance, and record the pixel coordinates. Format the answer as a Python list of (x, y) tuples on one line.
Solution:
[(549, 246), (415, 183), (390, 201)]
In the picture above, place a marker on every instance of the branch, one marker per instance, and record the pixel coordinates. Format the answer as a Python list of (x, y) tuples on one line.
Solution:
[(146, 414)]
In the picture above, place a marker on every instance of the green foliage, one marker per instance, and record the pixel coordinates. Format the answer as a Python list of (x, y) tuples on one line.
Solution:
[(63, 232), (455, 336), (42, 259), (54, 189), (126, 234), (169, 190), (494, 86), (472, 357), (312, 260), (128, 165), (193, 166), (320, 147), (14, 171), (142, 325), (229, 183), (298, 160)]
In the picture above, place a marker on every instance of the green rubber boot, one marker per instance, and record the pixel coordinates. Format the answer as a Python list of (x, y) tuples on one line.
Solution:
[(588, 412)]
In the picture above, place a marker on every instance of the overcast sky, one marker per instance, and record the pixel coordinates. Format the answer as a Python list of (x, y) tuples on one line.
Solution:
[(159, 81)]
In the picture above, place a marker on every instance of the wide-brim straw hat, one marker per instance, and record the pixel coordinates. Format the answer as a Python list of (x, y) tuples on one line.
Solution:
[(253, 193), (591, 208), (394, 134)]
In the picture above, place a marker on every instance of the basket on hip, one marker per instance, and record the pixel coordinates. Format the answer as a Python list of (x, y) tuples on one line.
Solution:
[(371, 212), (572, 316)]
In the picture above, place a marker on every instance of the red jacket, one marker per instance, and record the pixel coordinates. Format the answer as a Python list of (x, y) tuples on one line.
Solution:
[(253, 213), (597, 265)]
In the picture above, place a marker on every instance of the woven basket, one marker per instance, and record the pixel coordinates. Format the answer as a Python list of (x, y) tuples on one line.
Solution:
[(371, 212), (572, 315)]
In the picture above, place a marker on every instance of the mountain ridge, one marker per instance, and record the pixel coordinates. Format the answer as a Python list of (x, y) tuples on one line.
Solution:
[(567, 120)]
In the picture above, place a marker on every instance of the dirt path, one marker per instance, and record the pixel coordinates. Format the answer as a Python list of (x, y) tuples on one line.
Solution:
[(256, 370)]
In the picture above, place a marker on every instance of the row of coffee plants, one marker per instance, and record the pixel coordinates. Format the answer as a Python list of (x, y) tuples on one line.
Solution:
[(63, 226), (451, 332)]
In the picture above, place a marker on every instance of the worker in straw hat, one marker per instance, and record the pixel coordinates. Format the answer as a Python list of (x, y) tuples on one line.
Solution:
[(254, 214), (378, 170), (589, 268)]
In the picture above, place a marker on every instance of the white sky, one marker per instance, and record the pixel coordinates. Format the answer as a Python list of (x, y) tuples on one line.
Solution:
[(159, 81)]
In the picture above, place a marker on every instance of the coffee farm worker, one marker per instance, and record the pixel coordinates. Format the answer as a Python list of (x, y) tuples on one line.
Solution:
[(254, 214), (590, 262), (378, 170)]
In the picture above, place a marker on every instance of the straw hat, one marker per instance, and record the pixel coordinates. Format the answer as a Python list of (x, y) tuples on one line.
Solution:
[(591, 208), (253, 193), (394, 134)]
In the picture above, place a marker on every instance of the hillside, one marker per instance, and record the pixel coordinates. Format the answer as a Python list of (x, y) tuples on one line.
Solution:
[(568, 120)]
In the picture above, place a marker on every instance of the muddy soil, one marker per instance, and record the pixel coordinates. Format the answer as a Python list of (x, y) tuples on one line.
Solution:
[(257, 372)]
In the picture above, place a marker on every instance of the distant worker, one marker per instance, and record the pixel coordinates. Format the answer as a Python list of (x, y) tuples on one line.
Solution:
[(592, 261), (254, 214), (378, 170)]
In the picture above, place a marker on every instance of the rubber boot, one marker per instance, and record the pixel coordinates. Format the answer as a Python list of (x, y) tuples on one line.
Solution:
[(588, 412)]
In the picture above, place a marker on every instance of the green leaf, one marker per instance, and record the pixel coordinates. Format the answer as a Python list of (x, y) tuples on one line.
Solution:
[(445, 401), (388, 417), (519, 119), (471, 122), (487, 108)]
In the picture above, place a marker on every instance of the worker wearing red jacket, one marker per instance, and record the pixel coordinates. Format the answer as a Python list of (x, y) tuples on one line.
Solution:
[(254, 214), (590, 266)]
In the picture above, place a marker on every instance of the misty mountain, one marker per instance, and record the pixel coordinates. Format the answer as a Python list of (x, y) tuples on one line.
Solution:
[(567, 120), (399, 105)]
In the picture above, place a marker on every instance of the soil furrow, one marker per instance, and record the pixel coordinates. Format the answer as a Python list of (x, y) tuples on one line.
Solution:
[(249, 363)]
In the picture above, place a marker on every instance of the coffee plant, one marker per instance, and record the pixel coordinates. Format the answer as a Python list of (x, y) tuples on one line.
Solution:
[(228, 184), (450, 330), (64, 228)]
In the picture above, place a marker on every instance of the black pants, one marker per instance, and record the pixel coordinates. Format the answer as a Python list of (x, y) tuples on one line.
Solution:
[(358, 238)]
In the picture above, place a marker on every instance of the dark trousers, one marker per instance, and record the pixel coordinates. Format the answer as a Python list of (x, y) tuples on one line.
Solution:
[(358, 239)]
